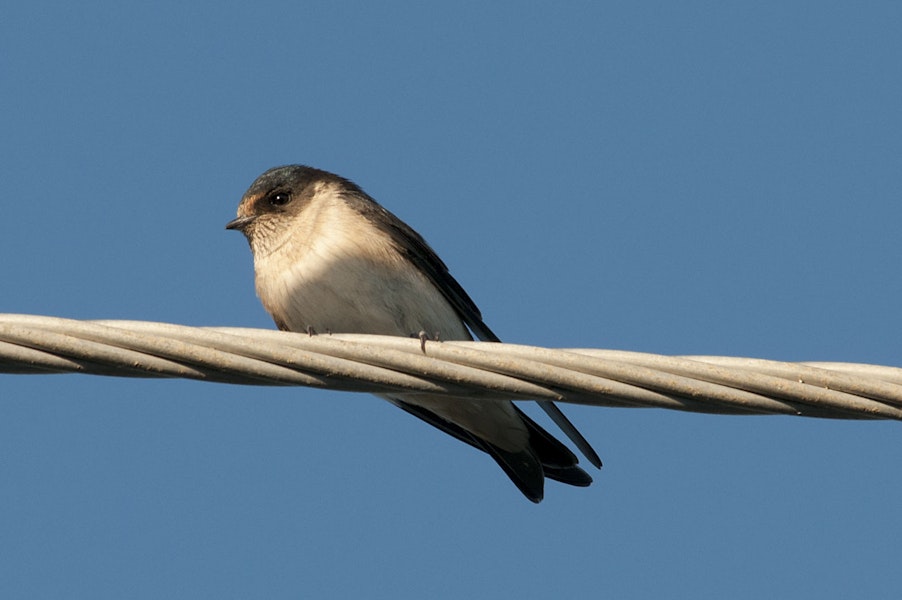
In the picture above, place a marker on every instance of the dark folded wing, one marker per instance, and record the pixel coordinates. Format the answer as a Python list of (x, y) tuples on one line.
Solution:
[(415, 249)]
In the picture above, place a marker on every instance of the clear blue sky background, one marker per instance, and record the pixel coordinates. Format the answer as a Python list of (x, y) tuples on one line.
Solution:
[(679, 178)]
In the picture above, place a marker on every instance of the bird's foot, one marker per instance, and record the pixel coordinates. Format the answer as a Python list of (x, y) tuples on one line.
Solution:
[(423, 337)]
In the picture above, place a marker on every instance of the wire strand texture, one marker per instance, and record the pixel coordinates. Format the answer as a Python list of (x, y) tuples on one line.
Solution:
[(31, 344)]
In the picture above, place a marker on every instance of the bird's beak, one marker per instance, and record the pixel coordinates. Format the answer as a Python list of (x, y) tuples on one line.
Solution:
[(240, 223)]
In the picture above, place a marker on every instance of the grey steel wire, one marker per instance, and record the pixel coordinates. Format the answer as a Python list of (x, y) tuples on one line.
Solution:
[(379, 364)]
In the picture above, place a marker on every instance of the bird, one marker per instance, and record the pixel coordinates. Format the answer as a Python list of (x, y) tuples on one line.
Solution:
[(329, 258)]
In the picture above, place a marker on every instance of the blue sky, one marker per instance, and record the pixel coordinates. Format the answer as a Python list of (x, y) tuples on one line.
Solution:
[(679, 178)]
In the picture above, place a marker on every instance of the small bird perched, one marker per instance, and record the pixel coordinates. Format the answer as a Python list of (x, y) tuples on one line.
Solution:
[(327, 257)]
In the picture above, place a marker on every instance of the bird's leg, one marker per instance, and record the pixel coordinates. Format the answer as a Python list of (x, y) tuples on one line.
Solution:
[(423, 337), (311, 331)]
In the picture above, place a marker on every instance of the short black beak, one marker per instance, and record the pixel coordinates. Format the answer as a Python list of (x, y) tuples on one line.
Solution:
[(240, 223)]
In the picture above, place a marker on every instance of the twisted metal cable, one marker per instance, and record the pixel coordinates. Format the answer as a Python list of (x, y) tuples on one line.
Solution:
[(381, 364)]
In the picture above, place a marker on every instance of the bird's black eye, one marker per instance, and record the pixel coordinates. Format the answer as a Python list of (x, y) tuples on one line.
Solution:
[(279, 198)]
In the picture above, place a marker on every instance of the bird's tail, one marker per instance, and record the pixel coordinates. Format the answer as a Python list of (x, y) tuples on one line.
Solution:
[(543, 455)]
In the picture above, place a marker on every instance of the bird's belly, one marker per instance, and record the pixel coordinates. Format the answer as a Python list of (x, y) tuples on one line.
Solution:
[(355, 295)]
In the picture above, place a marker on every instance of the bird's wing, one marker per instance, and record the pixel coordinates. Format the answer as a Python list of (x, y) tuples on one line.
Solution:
[(421, 255), (417, 251)]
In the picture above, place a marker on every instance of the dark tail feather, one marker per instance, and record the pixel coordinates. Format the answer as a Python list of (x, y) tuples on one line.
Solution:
[(523, 468), (557, 461), (544, 457), (569, 475), (569, 428)]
